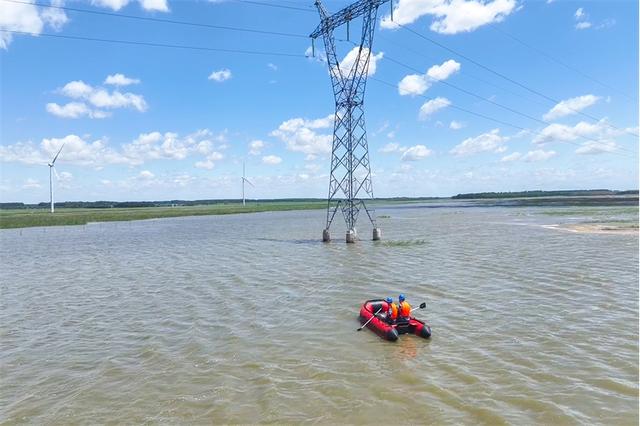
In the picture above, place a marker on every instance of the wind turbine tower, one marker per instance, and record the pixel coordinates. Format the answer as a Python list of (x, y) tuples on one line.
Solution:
[(350, 168), (244, 179), (51, 171)]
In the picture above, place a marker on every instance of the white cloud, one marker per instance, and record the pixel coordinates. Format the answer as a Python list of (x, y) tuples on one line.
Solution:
[(511, 157), (274, 67), (432, 106), (456, 125), (390, 147), (27, 17), (154, 5), (97, 97), (413, 84), (450, 16), (76, 89), (74, 110), (538, 155), (300, 135), (417, 84), (415, 153), (255, 147), (486, 142), (583, 25), (582, 19), (601, 131), (120, 80), (579, 15), (146, 174), (601, 147), (571, 106), (31, 184), (220, 75), (271, 160), (443, 71), (350, 59)]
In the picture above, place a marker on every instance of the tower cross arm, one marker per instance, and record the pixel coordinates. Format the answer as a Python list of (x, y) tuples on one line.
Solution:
[(330, 23)]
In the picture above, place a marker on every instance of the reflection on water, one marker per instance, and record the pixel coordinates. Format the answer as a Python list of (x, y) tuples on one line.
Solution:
[(250, 318)]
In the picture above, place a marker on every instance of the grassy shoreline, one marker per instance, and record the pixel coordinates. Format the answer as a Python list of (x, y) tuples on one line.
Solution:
[(67, 216)]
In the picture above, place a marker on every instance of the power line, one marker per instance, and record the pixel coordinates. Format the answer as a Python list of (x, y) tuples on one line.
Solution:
[(166, 21), (515, 126), (259, 3), (143, 43), (530, 117), (555, 101), (564, 64)]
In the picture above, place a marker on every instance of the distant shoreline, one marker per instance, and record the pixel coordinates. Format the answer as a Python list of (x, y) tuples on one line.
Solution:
[(67, 216)]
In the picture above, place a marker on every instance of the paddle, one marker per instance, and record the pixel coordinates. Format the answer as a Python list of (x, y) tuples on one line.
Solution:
[(422, 306), (365, 324)]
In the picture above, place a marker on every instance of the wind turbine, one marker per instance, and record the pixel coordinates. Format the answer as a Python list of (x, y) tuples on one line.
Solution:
[(51, 170), (244, 179)]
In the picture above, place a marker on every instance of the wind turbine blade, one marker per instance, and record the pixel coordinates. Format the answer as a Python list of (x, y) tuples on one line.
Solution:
[(56, 173), (56, 157), (248, 181)]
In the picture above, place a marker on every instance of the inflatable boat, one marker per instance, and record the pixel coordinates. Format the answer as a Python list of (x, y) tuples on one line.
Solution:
[(390, 331)]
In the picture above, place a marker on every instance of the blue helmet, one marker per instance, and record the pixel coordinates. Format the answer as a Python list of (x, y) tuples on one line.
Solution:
[(401, 298), (389, 300)]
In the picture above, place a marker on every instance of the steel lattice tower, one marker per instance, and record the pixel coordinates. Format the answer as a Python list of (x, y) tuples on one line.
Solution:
[(350, 167)]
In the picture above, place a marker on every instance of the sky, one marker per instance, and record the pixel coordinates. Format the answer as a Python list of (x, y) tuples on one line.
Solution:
[(465, 96)]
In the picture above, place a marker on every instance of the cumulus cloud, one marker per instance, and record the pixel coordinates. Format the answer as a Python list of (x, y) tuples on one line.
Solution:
[(146, 174), (271, 160), (75, 110), (220, 75), (593, 147), (300, 135), (582, 18), (486, 142), (389, 148), (415, 153), (511, 157), (31, 184), (571, 106), (120, 80), (27, 17), (417, 84), (600, 131), (430, 107), (538, 155), (456, 125), (97, 153), (153, 5), (351, 58), (450, 16), (255, 147), (86, 96)]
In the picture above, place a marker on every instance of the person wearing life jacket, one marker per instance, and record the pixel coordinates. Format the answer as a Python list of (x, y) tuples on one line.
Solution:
[(404, 308), (392, 311)]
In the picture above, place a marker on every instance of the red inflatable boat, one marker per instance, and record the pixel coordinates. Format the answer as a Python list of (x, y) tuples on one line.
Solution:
[(391, 331)]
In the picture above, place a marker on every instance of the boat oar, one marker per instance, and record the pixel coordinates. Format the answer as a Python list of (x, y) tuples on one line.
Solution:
[(365, 324), (422, 306)]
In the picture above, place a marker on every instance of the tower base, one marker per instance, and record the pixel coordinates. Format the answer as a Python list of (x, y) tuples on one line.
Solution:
[(351, 236), (326, 236), (377, 234)]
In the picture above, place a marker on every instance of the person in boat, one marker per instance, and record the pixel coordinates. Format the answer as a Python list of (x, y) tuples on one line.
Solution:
[(391, 314), (404, 308)]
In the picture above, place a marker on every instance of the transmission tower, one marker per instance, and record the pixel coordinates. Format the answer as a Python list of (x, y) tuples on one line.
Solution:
[(350, 167)]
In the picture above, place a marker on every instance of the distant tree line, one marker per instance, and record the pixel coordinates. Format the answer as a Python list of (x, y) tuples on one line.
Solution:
[(528, 194)]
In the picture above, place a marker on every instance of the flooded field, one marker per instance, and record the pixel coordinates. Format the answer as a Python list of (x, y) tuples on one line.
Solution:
[(251, 318)]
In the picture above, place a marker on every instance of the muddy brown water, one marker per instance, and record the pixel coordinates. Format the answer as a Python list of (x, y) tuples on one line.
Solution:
[(250, 319)]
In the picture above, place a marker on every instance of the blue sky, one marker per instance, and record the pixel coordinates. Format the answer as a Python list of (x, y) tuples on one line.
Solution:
[(157, 123)]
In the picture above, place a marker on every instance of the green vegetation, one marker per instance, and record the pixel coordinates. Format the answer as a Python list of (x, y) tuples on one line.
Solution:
[(530, 194), (23, 218)]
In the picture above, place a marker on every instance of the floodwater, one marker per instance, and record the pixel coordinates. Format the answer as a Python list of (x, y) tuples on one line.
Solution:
[(250, 318)]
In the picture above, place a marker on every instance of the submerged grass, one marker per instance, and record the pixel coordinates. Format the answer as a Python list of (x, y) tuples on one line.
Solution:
[(24, 218), (403, 243)]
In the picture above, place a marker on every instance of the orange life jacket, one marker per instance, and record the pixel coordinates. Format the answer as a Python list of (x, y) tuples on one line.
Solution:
[(405, 309), (392, 312)]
